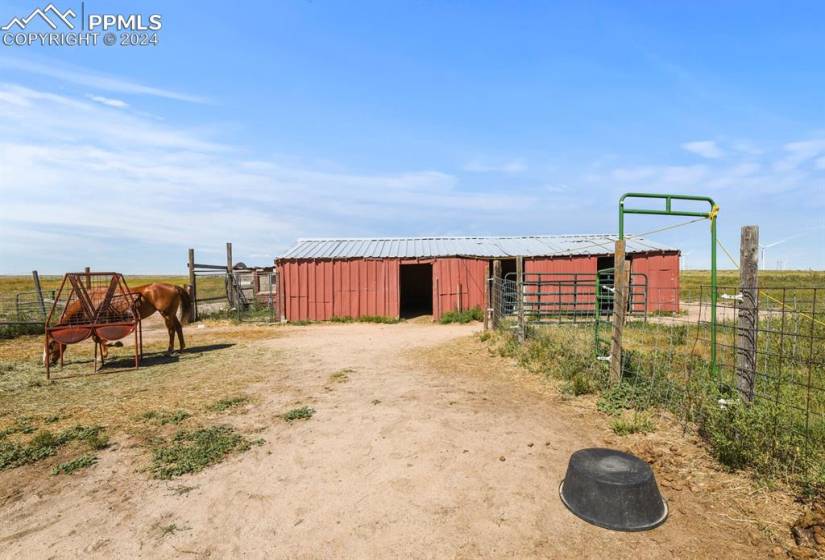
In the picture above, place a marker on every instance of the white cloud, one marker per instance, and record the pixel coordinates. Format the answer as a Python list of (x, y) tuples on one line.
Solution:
[(78, 76), (73, 169), (483, 166), (108, 101), (800, 152), (704, 148)]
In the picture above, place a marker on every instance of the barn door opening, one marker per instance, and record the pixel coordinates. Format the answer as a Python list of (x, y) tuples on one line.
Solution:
[(605, 284), (416, 290)]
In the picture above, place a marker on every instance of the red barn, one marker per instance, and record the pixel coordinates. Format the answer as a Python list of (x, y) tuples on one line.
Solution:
[(393, 277)]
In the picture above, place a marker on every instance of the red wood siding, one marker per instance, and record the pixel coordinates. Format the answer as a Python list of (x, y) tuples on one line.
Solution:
[(663, 280), (319, 290), (458, 281), (569, 296)]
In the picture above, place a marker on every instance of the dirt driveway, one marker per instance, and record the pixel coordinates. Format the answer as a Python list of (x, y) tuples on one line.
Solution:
[(409, 457)]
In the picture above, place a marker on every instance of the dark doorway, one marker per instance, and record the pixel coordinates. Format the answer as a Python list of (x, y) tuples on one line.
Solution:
[(605, 284), (604, 262), (508, 266), (416, 290)]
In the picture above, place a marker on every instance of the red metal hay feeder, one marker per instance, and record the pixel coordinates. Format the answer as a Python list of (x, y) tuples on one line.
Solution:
[(93, 304)]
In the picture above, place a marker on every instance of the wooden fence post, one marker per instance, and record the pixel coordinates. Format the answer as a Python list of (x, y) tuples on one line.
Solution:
[(620, 279), (496, 288), (520, 295), (193, 290), (487, 306), (39, 291), (230, 280), (748, 319), (88, 274)]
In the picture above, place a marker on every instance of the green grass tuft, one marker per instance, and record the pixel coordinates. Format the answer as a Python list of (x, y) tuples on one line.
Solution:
[(193, 451), (227, 403), (474, 314), (75, 464), (164, 417), (303, 413), (636, 423), (341, 376), (45, 444)]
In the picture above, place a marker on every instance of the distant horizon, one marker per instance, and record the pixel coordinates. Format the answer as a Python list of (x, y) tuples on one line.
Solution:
[(393, 119)]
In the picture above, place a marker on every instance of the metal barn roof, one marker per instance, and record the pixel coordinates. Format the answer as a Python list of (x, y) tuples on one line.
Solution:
[(492, 247)]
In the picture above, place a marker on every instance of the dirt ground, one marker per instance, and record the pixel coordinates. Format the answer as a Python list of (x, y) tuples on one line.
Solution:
[(429, 448)]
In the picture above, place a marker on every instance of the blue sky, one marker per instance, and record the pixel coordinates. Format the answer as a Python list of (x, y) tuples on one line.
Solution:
[(308, 119)]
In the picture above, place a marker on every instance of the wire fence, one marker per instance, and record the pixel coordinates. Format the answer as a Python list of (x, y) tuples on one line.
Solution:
[(762, 406), (242, 295)]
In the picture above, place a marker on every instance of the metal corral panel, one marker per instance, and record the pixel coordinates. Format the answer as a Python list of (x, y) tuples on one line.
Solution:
[(319, 290), (483, 247), (572, 282), (663, 280), (458, 284)]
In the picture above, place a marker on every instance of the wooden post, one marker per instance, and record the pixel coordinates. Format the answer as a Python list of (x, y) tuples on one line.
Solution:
[(39, 292), (230, 280), (748, 319), (520, 296), (496, 288), (437, 307), (620, 281), (88, 272), (487, 306), (193, 290)]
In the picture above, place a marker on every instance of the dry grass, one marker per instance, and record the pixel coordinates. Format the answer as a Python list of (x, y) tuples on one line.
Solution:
[(220, 362), (14, 284)]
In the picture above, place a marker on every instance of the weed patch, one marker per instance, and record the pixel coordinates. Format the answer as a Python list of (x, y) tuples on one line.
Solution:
[(75, 464), (474, 314), (341, 376), (632, 424), (164, 417), (45, 444), (303, 413), (193, 451), (227, 403)]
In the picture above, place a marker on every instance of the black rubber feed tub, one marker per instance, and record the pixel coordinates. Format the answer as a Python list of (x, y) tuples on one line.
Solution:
[(613, 490)]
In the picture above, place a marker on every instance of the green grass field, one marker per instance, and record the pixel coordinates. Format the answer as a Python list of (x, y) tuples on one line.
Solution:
[(15, 284), (691, 280)]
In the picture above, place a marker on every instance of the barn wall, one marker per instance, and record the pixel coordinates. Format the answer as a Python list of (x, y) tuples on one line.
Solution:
[(458, 284), (319, 290), (565, 294), (662, 272)]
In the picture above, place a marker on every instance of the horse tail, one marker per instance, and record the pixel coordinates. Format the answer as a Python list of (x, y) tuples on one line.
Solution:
[(185, 305)]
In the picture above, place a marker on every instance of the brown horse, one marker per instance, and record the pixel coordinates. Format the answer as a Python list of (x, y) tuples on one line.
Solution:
[(162, 298)]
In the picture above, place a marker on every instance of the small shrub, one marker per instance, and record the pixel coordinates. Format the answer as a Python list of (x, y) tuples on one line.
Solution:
[(227, 403), (303, 413), (23, 329), (75, 464), (193, 451), (474, 314), (636, 423), (580, 385)]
